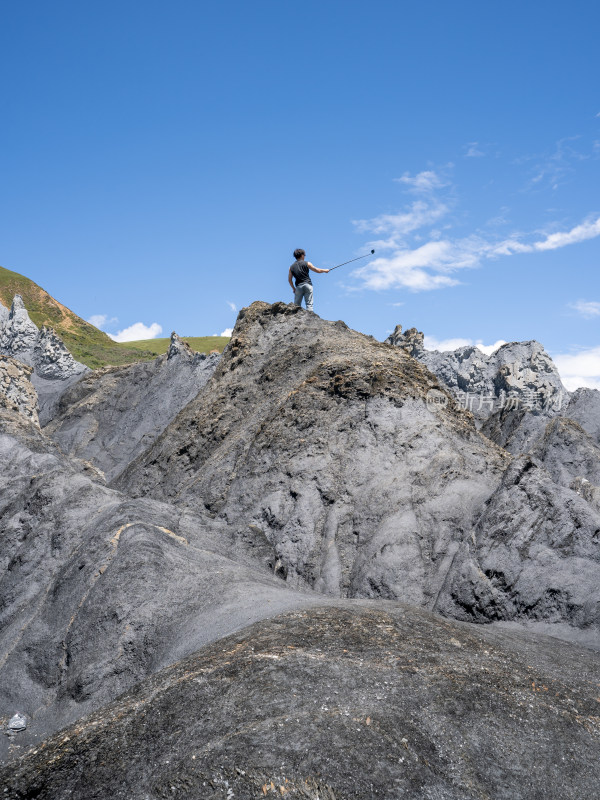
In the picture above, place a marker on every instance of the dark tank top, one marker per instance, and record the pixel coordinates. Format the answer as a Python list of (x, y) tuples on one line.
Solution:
[(300, 272)]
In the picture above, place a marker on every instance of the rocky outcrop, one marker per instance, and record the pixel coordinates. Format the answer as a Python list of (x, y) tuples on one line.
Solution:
[(533, 556), (113, 414), (321, 438), (54, 368), (324, 441), (18, 334), (16, 392), (4, 314), (411, 341), (51, 359), (584, 408), (305, 471), (568, 452), (98, 591), (341, 701), (516, 374)]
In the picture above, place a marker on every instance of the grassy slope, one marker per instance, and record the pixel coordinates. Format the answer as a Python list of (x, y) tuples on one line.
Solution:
[(88, 344), (201, 344)]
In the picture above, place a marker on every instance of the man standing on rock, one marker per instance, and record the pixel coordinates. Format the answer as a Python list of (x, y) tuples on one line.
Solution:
[(300, 271)]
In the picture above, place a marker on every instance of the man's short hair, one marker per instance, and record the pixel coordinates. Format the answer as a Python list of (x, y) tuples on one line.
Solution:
[(299, 253)]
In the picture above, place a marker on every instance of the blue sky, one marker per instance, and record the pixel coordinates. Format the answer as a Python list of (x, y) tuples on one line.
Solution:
[(160, 161)]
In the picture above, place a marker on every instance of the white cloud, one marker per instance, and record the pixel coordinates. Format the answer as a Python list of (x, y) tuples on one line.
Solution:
[(137, 331), (579, 369), (422, 182), (406, 268), (587, 308), (429, 266), (418, 215), (587, 230), (231, 305), (473, 150), (226, 332), (431, 343), (99, 320)]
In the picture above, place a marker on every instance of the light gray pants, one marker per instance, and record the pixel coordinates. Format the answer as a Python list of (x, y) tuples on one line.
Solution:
[(305, 290)]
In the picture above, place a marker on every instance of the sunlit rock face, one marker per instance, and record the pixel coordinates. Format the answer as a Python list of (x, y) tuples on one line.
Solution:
[(54, 368), (517, 374)]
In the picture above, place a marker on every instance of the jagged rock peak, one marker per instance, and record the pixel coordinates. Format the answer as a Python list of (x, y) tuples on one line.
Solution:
[(519, 372), (43, 350), (16, 392), (4, 314), (411, 340), (52, 359), (18, 333), (178, 347)]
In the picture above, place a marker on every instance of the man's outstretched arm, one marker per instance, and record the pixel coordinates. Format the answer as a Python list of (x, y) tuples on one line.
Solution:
[(316, 269)]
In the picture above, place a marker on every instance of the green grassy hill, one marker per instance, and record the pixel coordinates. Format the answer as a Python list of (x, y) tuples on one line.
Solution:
[(88, 344), (201, 344)]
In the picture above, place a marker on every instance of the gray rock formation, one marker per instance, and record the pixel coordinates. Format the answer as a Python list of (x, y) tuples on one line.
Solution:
[(516, 374), (51, 359), (54, 368), (533, 556), (268, 447), (4, 314), (321, 438), (342, 701), (304, 471), (113, 414), (18, 334), (16, 392), (584, 408), (97, 591), (568, 452)]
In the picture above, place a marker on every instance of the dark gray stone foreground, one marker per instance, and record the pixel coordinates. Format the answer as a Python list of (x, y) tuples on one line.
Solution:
[(349, 700)]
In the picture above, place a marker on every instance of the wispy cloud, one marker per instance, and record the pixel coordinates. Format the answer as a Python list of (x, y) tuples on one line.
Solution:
[(423, 182), (431, 343), (231, 305), (579, 369), (586, 308), (137, 331), (418, 215), (551, 169), (473, 150), (100, 320), (433, 265)]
